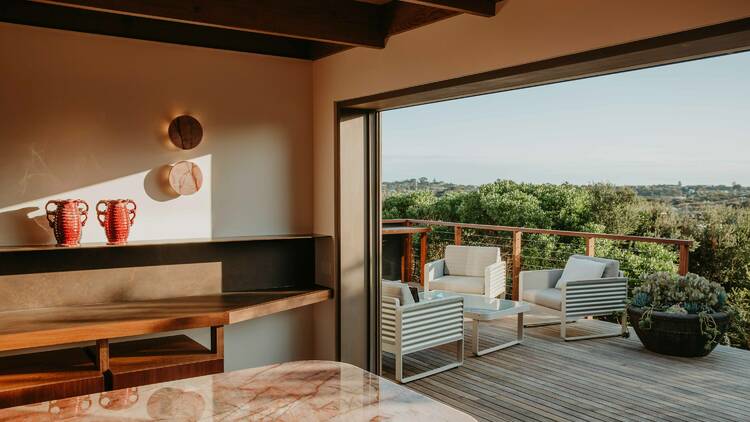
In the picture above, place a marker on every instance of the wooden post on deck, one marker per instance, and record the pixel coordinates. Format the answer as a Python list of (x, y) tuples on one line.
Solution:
[(684, 258), (457, 235), (422, 256), (516, 255), (408, 257), (590, 246)]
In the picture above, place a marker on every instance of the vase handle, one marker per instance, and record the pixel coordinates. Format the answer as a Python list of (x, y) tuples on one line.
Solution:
[(84, 212), (51, 213), (101, 213), (131, 210)]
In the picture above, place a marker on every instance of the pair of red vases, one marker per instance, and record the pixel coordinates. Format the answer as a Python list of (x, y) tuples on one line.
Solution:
[(69, 216)]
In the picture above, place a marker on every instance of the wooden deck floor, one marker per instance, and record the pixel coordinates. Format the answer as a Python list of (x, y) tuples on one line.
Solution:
[(590, 380)]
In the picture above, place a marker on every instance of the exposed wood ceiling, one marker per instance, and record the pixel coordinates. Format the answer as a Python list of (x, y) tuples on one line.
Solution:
[(306, 29)]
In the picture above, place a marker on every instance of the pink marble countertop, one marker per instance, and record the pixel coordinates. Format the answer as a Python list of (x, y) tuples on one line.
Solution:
[(292, 391)]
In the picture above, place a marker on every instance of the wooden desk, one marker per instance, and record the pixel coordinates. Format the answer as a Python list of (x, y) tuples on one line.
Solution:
[(63, 373), (70, 324)]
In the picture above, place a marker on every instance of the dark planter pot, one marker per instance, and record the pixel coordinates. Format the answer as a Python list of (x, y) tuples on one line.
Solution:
[(675, 334)]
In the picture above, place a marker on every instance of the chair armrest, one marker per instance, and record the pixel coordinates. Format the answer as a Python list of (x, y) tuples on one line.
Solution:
[(494, 279), (542, 279), (433, 270), (432, 303), (599, 282)]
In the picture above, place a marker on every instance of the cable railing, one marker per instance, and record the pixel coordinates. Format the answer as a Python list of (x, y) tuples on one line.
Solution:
[(525, 248)]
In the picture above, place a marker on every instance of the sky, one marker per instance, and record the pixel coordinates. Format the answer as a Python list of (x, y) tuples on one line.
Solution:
[(687, 122)]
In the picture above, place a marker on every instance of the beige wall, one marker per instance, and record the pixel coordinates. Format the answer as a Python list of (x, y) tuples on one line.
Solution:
[(523, 31), (85, 116)]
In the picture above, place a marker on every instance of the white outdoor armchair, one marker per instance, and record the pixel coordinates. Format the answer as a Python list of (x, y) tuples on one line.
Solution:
[(579, 298), (467, 269), (408, 327)]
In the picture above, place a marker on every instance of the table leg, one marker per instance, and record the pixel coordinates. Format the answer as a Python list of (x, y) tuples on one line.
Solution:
[(518, 340), (475, 340)]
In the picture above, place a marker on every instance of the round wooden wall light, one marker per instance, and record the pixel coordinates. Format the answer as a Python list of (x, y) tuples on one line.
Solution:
[(185, 132), (185, 177)]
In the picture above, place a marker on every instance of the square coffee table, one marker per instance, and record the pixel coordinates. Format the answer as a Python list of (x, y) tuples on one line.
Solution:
[(481, 309)]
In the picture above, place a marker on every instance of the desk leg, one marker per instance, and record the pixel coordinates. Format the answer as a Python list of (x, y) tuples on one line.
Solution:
[(217, 340), (102, 355)]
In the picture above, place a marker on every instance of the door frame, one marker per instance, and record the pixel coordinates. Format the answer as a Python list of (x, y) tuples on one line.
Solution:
[(710, 41)]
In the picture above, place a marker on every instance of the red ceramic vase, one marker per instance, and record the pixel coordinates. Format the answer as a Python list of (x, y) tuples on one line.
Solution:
[(67, 220), (116, 216)]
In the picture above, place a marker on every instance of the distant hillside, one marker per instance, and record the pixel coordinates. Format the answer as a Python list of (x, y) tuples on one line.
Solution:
[(693, 197), (423, 184), (687, 198)]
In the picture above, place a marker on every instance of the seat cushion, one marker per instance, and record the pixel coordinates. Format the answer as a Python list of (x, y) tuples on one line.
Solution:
[(397, 290), (459, 284), (549, 298), (611, 266), (580, 269), (469, 260)]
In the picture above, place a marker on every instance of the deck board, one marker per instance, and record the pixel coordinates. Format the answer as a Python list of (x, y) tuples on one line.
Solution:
[(547, 379)]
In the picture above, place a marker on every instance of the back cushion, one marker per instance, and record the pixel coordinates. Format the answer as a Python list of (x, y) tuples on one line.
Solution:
[(470, 260), (397, 290), (611, 266), (580, 269)]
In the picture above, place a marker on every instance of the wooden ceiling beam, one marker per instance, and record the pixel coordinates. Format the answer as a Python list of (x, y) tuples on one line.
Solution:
[(484, 8), (292, 28), (332, 21), (24, 12), (400, 17), (396, 17)]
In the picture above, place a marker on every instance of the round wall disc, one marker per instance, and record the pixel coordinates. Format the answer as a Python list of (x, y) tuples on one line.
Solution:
[(185, 132), (185, 177)]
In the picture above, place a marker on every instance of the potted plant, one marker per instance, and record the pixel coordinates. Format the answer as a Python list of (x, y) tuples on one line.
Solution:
[(679, 315)]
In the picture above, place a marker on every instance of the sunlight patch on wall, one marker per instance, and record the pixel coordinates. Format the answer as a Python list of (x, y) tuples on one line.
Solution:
[(160, 215)]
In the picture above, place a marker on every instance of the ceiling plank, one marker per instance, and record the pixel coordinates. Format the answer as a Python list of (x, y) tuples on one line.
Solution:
[(80, 20), (396, 17), (401, 17), (335, 21), (484, 8)]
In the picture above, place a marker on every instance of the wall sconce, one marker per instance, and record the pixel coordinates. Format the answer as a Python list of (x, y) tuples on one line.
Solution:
[(185, 132)]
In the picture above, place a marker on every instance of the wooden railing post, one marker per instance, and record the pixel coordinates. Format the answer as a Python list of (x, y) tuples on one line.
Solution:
[(457, 235), (516, 255), (408, 257), (590, 246), (422, 256), (684, 258)]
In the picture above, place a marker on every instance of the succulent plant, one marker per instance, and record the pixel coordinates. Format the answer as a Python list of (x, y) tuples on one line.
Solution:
[(692, 307), (676, 309), (641, 299), (691, 293), (722, 296)]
